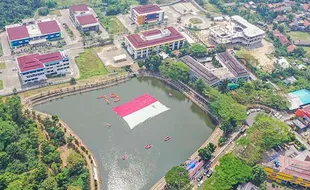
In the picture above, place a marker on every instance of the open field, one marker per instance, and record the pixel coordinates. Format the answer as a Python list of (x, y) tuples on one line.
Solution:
[(2, 65), (1, 84), (90, 65), (210, 7), (299, 35), (66, 3), (55, 12), (112, 24), (261, 55), (195, 20), (307, 50)]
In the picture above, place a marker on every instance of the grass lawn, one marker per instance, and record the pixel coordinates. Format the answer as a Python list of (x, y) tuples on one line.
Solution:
[(1, 50), (244, 54), (1, 84), (210, 7), (195, 20), (299, 35), (55, 12), (90, 64), (66, 3), (2, 65), (307, 50), (112, 24)]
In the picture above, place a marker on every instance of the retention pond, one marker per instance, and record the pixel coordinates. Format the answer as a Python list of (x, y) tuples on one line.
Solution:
[(186, 124)]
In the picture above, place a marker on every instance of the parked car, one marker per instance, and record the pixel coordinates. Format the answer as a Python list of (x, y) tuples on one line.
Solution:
[(209, 173), (199, 178), (200, 183), (14, 69), (205, 172)]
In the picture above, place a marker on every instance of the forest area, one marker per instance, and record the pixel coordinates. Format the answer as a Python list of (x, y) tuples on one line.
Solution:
[(30, 152)]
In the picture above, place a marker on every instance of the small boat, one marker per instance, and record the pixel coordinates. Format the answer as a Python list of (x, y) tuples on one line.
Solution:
[(124, 157), (113, 95), (170, 94), (107, 101), (148, 146), (117, 100), (108, 124), (105, 97), (99, 97), (167, 138)]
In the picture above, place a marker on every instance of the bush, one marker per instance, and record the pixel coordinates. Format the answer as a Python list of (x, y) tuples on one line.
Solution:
[(43, 11)]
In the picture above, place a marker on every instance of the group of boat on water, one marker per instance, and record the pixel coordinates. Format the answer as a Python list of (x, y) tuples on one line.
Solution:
[(112, 95)]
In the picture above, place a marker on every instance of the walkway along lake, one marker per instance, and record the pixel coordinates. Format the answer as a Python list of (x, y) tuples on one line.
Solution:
[(186, 124)]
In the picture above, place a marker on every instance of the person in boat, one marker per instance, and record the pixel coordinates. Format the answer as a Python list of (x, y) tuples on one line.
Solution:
[(167, 138), (124, 157)]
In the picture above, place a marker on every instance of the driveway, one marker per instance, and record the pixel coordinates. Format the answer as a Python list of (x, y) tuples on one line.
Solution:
[(10, 78), (65, 18), (5, 44)]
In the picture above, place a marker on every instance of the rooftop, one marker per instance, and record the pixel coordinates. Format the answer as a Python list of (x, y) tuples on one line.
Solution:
[(298, 98), (249, 29), (48, 27), (79, 8), (37, 61), (144, 9), (18, 32), (86, 19), (154, 37), (232, 64), (200, 70)]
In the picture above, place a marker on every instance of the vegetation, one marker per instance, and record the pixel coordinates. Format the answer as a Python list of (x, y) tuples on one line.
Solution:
[(176, 70), (206, 152), (296, 35), (265, 134), (90, 64), (117, 7), (231, 171), (195, 20), (1, 84), (43, 11), (112, 25), (177, 178), (28, 160), (198, 50), (2, 65)]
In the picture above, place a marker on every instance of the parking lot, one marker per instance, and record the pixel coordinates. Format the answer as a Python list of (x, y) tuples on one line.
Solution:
[(107, 53), (10, 78)]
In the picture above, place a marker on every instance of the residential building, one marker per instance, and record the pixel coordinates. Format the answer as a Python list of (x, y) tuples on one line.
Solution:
[(31, 31), (230, 69), (143, 44), (287, 170), (36, 67), (147, 14), (83, 18), (237, 32)]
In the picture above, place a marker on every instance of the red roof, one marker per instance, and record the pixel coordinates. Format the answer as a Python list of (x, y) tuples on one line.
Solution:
[(48, 27), (147, 9), (138, 42), (291, 48), (151, 32), (86, 19), (36, 61), (306, 23), (81, 7), (305, 6), (18, 32), (284, 40)]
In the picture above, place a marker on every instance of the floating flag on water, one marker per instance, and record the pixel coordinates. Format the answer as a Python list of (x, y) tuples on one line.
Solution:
[(140, 109)]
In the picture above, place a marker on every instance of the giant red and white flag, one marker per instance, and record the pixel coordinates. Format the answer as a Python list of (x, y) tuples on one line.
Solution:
[(140, 109)]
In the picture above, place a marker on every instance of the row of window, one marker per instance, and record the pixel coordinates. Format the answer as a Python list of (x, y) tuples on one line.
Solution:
[(31, 80), (63, 68), (35, 71), (33, 75)]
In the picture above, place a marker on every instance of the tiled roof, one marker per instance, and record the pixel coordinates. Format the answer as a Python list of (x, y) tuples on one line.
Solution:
[(138, 42), (147, 9), (86, 19), (48, 27), (81, 7), (232, 64), (36, 61), (18, 32)]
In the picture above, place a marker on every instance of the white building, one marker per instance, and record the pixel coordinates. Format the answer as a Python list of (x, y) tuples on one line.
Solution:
[(143, 44), (147, 14), (238, 31), (83, 18), (36, 67)]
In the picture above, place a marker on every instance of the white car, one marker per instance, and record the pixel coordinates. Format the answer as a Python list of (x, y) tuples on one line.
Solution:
[(14, 69), (200, 183)]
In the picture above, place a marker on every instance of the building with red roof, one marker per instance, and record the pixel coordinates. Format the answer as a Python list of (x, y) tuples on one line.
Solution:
[(22, 34), (36, 67), (146, 14), (143, 44), (83, 18)]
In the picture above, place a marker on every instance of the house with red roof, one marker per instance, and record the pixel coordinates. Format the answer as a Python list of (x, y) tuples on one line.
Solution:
[(37, 67), (26, 32), (146, 14), (143, 44), (83, 18)]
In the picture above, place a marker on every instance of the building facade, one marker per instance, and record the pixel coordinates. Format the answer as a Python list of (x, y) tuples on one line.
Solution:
[(147, 14), (83, 18), (26, 32), (37, 67), (143, 44), (237, 32)]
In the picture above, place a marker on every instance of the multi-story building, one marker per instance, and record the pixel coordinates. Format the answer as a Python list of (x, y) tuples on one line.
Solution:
[(36, 67), (237, 32), (147, 14), (30, 31), (83, 18), (229, 69), (286, 170), (143, 44)]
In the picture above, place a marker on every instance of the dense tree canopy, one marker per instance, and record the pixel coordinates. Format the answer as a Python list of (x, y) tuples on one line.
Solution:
[(198, 50), (176, 70), (229, 173), (177, 177)]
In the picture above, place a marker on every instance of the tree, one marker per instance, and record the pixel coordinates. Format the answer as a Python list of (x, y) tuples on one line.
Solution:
[(198, 50), (200, 85), (49, 183), (143, 2), (223, 87), (177, 178), (259, 175), (281, 28), (290, 17), (75, 163), (40, 173), (72, 81), (205, 154), (220, 48), (274, 26), (176, 70), (43, 11), (51, 4), (211, 147), (153, 62)]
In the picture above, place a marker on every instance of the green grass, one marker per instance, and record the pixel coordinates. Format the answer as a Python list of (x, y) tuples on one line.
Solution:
[(195, 20), (112, 24), (1, 84), (55, 12), (66, 3), (90, 64), (2, 65), (307, 50), (1, 50), (210, 7), (299, 35)]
